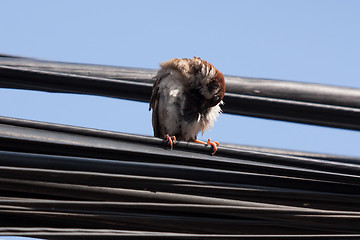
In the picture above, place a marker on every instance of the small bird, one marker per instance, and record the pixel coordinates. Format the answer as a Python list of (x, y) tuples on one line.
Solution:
[(186, 99)]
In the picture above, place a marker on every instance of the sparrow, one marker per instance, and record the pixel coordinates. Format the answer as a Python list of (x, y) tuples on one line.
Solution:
[(186, 98)]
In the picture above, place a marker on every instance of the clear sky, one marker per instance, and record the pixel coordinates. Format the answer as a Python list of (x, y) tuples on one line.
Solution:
[(309, 41)]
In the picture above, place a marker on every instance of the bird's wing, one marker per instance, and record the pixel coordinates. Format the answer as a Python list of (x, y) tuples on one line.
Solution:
[(154, 104)]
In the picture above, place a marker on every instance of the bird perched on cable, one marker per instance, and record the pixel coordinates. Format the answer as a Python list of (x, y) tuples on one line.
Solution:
[(186, 99)]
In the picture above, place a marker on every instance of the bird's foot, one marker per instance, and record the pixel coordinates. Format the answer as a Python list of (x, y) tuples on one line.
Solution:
[(214, 144), (171, 140)]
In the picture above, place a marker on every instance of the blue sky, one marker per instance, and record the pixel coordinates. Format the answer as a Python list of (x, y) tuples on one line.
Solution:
[(307, 41)]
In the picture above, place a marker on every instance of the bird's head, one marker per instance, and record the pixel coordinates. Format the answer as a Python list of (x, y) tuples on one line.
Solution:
[(200, 76), (208, 80)]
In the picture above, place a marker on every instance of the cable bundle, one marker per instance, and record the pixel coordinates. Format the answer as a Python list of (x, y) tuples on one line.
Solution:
[(60, 181)]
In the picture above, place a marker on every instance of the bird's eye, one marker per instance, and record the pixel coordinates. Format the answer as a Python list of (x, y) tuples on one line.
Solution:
[(212, 86)]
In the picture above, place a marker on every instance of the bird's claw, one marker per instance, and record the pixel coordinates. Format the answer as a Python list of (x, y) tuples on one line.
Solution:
[(171, 140), (214, 144)]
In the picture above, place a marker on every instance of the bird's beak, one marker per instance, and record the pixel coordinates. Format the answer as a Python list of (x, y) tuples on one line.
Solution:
[(215, 100)]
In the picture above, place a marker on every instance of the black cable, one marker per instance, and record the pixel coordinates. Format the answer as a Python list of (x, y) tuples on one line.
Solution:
[(282, 100)]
